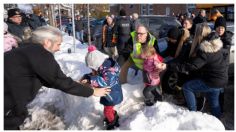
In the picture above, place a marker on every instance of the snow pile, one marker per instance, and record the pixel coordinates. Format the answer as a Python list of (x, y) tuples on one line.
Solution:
[(77, 113), (164, 116)]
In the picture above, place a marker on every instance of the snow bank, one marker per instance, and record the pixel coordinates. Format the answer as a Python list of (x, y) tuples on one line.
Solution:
[(77, 113)]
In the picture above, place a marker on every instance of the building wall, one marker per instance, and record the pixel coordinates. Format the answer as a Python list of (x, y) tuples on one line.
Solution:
[(158, 9), (129, 8)]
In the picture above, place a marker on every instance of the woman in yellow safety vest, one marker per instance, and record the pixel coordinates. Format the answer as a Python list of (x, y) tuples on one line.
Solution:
[(138, 40)]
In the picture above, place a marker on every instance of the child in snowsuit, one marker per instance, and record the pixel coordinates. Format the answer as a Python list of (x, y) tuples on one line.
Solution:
[(105, 73), (152, 66)]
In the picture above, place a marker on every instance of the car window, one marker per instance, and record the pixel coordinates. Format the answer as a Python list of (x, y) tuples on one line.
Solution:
[(155, 23), (143, 21), (171, 21)]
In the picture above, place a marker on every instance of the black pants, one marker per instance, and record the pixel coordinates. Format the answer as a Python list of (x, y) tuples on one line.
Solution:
[(13, 121), (152, 93)]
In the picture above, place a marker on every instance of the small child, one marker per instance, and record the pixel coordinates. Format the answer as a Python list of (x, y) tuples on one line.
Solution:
[(152, 67), (105, 73)]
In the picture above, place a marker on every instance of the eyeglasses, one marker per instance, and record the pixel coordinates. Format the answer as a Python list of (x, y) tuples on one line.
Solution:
[(140, 33)]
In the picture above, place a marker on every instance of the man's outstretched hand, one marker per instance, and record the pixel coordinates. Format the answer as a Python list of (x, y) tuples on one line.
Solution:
[(99, 92)]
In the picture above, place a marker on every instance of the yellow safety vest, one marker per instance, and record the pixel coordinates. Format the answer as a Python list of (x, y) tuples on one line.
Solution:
[(137, 46)]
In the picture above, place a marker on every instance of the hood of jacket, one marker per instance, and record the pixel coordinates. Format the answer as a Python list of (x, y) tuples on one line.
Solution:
[(211, 46)]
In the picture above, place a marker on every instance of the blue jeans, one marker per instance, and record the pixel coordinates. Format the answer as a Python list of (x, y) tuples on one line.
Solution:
[(80, 35), (196, 86)]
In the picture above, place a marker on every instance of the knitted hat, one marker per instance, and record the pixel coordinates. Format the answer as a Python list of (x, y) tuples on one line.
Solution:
[(13, 12), (220, 21), (94, 58), (174, 33), (122, 12)]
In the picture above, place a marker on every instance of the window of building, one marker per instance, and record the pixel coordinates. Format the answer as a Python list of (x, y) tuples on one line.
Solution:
[(167, 11), (150, 9), (143, 10)]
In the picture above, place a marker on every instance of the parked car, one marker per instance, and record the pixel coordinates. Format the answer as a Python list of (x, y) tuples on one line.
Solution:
[(159, 25), (64, 20), (96, 33), (92, 26)]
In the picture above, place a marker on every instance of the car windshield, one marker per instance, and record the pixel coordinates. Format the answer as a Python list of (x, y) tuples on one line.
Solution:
[(171, 21), (159, 25), (153, 22)]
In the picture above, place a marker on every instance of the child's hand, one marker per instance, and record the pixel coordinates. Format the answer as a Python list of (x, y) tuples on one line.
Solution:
[(161, 66)]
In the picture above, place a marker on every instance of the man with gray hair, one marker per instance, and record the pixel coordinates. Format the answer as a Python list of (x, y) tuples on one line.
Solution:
[(135, 21), (32, 66), (201, 18)]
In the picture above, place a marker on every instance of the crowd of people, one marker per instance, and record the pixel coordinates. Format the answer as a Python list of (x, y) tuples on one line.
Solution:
[(194, 50)]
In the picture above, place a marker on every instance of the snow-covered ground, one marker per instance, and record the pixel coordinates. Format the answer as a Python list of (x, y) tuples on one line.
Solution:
[(53, 109)]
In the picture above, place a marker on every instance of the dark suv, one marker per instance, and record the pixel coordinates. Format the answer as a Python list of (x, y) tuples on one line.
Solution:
[(158, 25)]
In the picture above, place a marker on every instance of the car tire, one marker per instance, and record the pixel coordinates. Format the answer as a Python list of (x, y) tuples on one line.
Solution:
[(169, 82)]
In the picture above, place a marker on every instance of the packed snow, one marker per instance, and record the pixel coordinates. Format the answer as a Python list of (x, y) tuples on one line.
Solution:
[(53, 109)]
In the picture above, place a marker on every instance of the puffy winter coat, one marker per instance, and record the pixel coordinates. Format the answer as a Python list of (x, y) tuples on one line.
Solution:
[(210, 63), (109, 36), (149, 65), (108, 75), (15, 29)]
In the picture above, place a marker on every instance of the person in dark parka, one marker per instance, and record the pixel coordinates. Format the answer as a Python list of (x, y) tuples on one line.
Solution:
[(123, 27), (179, 44), (227, 39), (225, 36), (15, 22), (32, 66), (212, 76), (200, 18)]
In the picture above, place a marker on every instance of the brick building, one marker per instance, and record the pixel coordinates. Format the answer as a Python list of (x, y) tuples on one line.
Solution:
[(149, 9)]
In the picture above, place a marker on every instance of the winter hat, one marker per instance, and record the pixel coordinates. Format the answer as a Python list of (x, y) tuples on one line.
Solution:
[(174, 33), (94, 58), (220, 21), (13, 12), (122, 12)]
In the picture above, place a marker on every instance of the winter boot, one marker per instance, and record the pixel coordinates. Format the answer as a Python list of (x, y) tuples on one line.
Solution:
[(113, 124), (149, 102), (157, 92)]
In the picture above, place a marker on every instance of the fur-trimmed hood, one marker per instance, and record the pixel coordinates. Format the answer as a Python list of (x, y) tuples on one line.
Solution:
[(211, 46)]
